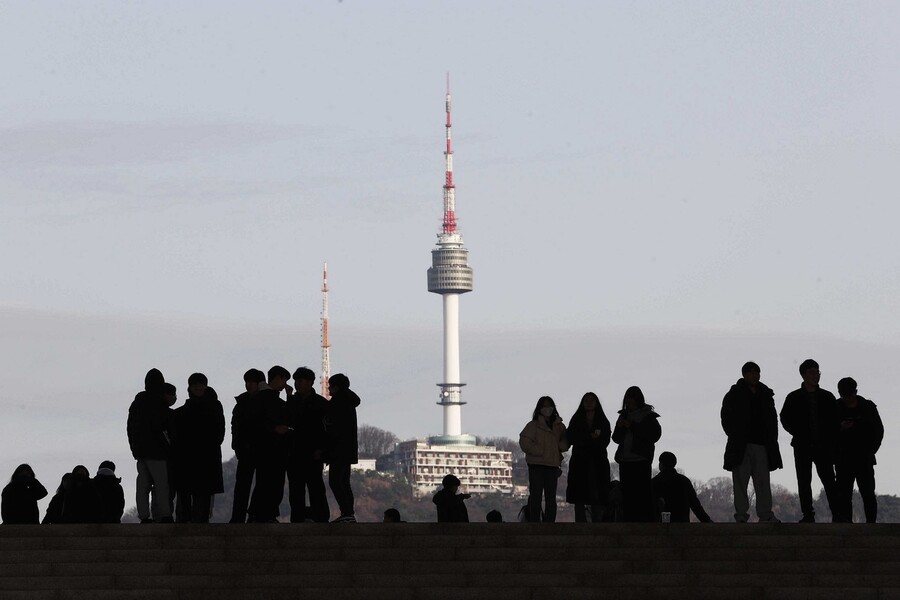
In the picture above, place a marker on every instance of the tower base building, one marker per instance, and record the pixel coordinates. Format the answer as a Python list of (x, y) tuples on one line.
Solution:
[(480, 469)]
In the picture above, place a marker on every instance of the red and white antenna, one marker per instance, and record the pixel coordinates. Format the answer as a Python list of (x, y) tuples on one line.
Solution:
[(449, 225), (326, 346)]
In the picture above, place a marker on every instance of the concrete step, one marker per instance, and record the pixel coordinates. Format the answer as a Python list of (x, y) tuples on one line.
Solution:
[(479, 560)]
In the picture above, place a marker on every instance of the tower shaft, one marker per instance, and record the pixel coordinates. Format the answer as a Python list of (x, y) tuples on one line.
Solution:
[(326, 345)]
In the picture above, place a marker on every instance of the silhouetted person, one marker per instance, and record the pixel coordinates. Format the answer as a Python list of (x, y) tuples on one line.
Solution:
[(391, 515), (451, 506), (588, 482), (343, 446), (543, 440), (859, 438), (675, 493), (751, 452), (809, 414), (637, 431), (112, 496), (20, 498), (306, 414), (75, 501), (148, 420), (242, 424), (198, 430), (270, 426), (494, 516)]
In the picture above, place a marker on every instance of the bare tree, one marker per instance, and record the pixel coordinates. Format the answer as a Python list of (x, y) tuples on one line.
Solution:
[(375, 442)]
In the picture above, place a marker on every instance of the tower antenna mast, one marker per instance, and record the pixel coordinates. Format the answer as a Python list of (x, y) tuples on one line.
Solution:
[(326, 345)]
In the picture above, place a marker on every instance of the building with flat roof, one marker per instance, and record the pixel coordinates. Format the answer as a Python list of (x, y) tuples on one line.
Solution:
[(480, 469)]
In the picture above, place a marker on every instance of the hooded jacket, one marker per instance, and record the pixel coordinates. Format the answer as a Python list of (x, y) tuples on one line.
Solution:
[(340, 428), (148, 420), (740, 407)]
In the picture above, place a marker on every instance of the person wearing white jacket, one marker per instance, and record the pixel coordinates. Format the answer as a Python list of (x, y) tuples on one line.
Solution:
[(543, 440)]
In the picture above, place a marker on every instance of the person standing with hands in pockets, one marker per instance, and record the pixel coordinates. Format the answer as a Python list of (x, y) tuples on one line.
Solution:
[(543, 440)]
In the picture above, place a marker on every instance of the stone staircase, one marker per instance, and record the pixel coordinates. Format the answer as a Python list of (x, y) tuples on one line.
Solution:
[(455, 561)]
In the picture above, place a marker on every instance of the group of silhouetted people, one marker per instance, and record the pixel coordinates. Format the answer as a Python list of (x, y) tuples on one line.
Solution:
[(79, 498), (839, 436), (179, 456)]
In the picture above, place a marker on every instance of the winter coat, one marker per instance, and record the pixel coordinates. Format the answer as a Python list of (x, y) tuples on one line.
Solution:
[(796, 420), (198, 430), (112, 496), (306, 417), (268, 412), (340, 428), (242, 424), (860, 441), (451, 508), (678, 496), (588, 480), (641, 437), (19, 503), (79, 502), (543, 444), (740, 407), (148, 420)]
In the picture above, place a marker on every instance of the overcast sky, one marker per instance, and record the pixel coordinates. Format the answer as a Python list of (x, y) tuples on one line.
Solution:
[(652, 193)]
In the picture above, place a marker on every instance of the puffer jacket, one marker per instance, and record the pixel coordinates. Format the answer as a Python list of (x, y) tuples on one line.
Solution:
[(542, 444)]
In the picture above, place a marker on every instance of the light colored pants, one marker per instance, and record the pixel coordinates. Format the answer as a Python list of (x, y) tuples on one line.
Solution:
[(153, 482), (754, 466)]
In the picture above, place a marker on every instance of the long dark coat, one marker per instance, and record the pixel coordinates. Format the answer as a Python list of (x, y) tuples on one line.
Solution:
[(737, 414), (197, 431), (19, 504), (589, 464)]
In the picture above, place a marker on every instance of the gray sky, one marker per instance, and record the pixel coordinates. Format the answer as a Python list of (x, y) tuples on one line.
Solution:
[(652, 193)]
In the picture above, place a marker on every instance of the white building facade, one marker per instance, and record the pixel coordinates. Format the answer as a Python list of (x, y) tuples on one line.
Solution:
[(480, 469)]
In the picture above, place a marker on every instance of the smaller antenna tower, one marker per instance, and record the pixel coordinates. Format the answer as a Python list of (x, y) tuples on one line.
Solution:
[(326, 345)]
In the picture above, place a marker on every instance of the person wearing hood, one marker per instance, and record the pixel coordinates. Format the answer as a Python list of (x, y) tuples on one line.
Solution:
[(112, 496), (751, 452), (148, 421), (636, 432), (342, 446), (242, 443), (543, 440), (198, 430), (20, 498), (859, 438)]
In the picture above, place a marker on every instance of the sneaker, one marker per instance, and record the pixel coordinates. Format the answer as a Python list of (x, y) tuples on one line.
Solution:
[(345, 519), (772, 519)]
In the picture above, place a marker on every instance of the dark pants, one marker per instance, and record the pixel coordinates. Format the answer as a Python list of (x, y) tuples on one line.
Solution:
[(306, 475), (542, 481), (269, 489), (339, 482), (863, 472), (193, 508), (637, 496), (804, 458), (243, 480)]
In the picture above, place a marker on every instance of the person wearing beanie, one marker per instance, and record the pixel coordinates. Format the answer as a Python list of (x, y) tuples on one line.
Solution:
[(112, 496), (859, 438), (675, 493), (809, 414), (451, 506)]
